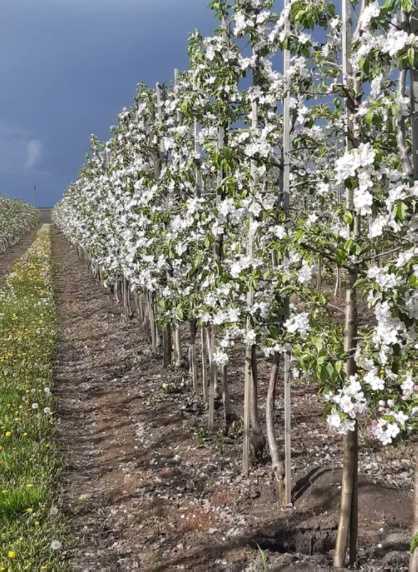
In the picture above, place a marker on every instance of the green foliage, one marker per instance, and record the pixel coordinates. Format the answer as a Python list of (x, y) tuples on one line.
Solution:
[(312, 14), (323, 356)]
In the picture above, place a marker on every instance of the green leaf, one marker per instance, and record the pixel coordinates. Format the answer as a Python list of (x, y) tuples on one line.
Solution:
[(339, 366), (331, 371), (389, 5), (411, 56), (348, 217), (401, 210), (407, 5), (349, 246), (179, 313), (341, 256)]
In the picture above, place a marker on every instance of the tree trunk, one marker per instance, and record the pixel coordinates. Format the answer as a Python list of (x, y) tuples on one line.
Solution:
[(116, 291), (287, 432), (319, 275), (337, 288), (347, 526), (276, 459), (247, 408), (225, 399), (124, 295), (177, 346), (204, 366), (192, 355), (152, 325), (212, 377), (257, 439), (346, 534), (167, 346)]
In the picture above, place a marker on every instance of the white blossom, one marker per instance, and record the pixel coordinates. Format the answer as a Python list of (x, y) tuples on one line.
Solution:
[(220, 358), (375, 382), (298, 323)]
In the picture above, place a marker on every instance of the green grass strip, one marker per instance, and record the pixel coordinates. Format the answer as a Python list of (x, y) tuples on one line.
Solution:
[(30, 529)]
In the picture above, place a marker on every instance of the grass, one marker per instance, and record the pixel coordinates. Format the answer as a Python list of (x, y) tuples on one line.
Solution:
[(31, 531)]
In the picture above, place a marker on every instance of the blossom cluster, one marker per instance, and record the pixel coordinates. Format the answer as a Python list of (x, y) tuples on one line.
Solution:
[(16, 218)]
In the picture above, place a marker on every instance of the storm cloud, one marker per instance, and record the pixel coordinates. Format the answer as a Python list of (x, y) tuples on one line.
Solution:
[(67, 67)]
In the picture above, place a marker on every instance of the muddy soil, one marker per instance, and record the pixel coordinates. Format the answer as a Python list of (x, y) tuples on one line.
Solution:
[(8, 258), (145, 487)]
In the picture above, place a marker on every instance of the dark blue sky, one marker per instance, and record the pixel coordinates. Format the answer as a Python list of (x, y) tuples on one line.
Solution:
[(67, 67)]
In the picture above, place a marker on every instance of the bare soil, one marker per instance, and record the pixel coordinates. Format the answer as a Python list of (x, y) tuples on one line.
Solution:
[(45, 214), (145, 487)]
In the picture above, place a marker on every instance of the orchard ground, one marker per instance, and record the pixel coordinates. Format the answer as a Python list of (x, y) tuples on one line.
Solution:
[(8, 258), (146, 487)]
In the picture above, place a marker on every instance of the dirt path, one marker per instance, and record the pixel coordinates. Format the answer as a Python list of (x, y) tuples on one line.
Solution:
[(12, 254), (145, 488)]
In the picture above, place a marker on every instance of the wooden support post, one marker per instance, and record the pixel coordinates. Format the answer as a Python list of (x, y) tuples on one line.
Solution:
[(414, 103), (286, 124), (213, 373), (287, 431), (204, 365), (248, 372), (177, 345), (413, 564)]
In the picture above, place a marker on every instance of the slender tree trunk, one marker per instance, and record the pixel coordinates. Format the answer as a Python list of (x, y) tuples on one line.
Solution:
[(167, 346), (146, 323), (212, 378), (257, 438), (337, 287), (287, 431), (137, 305), (403, 127), (192, 355), (126, 298), (124, 295), (204, 366), (116, 291), (249, 389), (225, 398), (177, 346), (348, 502), (248, 373), (152, 325), (347, 526), (157, 332), (276, 459), (319, 275), (140, 307), (247, 409)]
